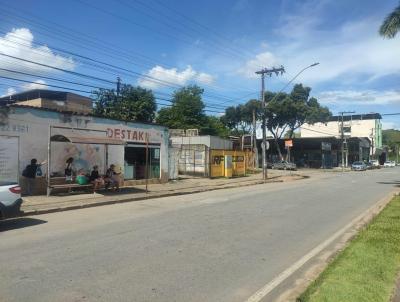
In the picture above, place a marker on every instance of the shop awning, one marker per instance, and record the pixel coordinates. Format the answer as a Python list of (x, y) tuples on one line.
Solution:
[(87, 140)]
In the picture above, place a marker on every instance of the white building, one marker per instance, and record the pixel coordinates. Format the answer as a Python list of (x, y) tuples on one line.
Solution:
[(25, 132), (360, 125)]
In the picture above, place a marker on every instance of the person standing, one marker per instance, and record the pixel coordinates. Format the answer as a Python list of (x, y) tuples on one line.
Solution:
[(68, 172), (30, 174)]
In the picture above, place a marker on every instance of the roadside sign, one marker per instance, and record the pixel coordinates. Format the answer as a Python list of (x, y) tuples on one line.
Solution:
[(262, 145), (326, 146), (289, 143)]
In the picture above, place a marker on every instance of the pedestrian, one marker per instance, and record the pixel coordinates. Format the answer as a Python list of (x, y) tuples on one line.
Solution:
[(29, 173), (112, 178), (96, 179), (69, 170)]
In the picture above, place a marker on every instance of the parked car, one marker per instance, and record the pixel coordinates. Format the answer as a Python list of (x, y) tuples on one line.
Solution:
[(358, 166), (389, 164), (10, 200), (284, 165), (375, 164), (369, 165)]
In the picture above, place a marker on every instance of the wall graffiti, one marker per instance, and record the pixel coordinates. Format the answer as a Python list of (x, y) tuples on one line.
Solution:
[(85, 157)]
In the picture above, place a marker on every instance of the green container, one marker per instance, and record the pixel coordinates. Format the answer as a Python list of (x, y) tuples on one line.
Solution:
[(82, 180)]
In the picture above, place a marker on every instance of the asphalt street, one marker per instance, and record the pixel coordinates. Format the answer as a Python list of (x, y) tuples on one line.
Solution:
[(215, 246)]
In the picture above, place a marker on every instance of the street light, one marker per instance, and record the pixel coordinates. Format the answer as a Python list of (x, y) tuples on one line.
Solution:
[(264, 161)]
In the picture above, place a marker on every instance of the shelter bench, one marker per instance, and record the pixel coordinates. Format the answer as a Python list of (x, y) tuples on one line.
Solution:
[(60, 183)]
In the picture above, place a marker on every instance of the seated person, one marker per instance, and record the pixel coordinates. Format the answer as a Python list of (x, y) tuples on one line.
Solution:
[(96, 179), (112, 178)]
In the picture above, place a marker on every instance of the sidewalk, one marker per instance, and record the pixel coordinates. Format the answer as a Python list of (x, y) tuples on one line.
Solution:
[(35, 205)]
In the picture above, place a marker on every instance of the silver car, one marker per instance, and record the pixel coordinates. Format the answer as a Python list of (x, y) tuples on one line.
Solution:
[(358, 166), (284, 165)]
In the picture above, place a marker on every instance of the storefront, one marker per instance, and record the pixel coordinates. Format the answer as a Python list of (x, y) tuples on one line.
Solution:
[(90, 141)]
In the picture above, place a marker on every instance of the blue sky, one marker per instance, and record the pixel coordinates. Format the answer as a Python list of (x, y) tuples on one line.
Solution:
[(217, 44)]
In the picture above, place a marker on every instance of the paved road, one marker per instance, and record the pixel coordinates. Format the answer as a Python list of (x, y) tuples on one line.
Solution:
[(215, 246)]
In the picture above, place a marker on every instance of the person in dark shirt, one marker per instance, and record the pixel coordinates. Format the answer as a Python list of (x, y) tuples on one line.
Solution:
[(96, 179), (30, 174), (112, 178)]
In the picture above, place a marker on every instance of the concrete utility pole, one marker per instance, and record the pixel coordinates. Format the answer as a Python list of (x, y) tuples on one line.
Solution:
[(263, 72), (342, 136), (118, 86), (372, 142), (254, 140)]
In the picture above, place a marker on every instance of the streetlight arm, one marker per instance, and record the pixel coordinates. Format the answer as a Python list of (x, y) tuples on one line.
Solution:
[(288, 83)]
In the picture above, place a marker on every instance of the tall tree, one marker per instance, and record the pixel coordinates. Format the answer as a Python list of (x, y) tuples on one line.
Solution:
[(233, 118), (133, 104), (391, 25), (187, 110), (304, 109)]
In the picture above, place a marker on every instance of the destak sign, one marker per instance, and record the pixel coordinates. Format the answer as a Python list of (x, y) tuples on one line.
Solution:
[(128, 134)]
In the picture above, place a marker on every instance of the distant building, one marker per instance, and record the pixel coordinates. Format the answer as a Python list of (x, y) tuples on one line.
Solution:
[(354, 126), (49, 99)]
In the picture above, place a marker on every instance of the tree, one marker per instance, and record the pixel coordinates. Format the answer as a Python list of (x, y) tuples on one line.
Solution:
[(288, 112), (187, 110), (214, 126), (232, 119), (304, 109), (133, 104), (239, 119), (391, 25)]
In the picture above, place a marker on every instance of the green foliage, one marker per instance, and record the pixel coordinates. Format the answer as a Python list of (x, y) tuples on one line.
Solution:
[(214, 126), (291, 111), (187, 110), (239, 119), (390, 137), (391, 25), (133, 104)]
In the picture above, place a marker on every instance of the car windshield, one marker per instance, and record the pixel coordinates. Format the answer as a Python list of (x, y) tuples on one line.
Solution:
[(357, 163)]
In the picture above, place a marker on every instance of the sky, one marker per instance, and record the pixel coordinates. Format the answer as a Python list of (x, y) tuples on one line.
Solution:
[(163, 45)]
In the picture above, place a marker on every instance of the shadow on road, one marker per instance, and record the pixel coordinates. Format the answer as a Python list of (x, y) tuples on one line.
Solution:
[(395, 183), (19, 223)]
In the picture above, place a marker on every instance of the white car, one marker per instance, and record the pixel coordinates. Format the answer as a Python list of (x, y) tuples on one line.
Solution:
[(389, 164), (10, 200)]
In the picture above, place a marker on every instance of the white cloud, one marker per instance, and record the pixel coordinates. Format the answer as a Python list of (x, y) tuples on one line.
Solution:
[(174, 76), (10, 91), (19, 43), (352, 51), (264, 59), (38, 84), (361, 97)]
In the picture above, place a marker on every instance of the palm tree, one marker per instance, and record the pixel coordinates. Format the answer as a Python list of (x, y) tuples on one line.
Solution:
[(391, 25)]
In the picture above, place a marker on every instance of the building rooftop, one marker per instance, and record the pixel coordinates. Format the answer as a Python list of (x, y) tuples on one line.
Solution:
[(367, 116), (41, 93)]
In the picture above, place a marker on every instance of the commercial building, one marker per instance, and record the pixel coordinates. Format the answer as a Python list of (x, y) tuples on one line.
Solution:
[(53, 135), (317, 152), (206, 155), (354, 126)]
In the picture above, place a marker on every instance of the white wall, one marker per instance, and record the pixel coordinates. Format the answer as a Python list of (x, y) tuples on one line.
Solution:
[(32, 127)]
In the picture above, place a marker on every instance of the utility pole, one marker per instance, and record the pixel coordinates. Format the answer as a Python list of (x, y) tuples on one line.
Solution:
[(342, 136), (372, 142), (118, 86), (263, 72), (254, 141)]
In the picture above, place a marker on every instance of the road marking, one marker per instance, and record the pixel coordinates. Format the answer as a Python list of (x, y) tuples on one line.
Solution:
[(267, 288)]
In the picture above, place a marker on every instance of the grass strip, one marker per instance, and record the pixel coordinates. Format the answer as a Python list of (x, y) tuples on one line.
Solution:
[(367, 268)]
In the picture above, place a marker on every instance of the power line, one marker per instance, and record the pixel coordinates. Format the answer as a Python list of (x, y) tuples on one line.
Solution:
[(68, 35)]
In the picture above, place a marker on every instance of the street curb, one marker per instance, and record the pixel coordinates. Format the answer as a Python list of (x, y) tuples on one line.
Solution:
[(327, 255), (167, 194)]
